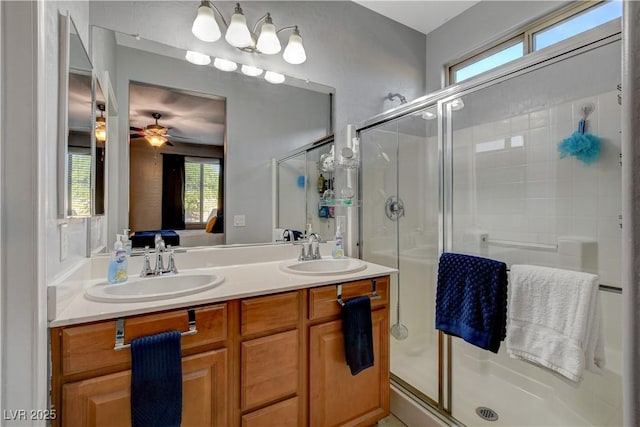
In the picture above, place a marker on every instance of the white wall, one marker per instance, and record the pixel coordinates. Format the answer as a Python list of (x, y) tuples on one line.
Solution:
[(474, 28)]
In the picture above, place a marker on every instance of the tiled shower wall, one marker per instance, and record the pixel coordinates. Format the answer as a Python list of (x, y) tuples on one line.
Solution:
[(512, 187)]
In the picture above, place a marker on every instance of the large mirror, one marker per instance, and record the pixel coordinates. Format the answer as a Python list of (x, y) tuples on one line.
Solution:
[(75, 124), (254, 121)]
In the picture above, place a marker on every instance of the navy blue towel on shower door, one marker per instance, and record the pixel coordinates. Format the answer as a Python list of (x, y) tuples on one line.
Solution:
[(156, 380), (358, 333), (471, 299)]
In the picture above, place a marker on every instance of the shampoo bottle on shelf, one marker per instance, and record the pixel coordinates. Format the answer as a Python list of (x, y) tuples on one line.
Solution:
[(118, 263)]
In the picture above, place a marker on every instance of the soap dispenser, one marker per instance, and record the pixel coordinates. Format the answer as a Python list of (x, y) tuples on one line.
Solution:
[(118, 263)]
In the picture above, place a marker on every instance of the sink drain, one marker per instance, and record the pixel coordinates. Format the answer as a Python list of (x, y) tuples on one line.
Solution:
[(487, 414)]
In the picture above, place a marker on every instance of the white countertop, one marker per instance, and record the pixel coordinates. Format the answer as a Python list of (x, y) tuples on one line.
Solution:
[(240, 281)]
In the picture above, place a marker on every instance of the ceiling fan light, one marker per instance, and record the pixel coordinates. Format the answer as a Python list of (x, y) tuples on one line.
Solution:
[(155, 140), (197, 58), (272, 77), (250, 70), (224, 64), (268, 41), (294, 52), (101, 129), (204, 25), (238, 34)]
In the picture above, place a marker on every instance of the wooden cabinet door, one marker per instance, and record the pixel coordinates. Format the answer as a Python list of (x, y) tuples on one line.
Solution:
[(105, 401), (337, 398)]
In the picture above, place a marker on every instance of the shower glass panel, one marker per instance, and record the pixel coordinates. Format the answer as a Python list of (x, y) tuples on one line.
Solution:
[(514, 199), (399, 223)]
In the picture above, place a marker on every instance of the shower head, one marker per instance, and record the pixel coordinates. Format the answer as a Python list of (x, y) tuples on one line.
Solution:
[(390, 97)]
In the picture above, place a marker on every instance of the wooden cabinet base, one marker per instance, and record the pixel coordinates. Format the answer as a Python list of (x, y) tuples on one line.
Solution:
[(105, 400)]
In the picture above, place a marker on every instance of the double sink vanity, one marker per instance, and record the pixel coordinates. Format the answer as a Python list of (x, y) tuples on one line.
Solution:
[(262, 338)]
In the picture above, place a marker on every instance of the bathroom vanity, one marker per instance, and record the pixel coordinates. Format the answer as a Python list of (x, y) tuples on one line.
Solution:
[(267, 357)]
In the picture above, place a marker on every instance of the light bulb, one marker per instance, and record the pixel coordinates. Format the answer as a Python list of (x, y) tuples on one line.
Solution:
[(155, 140), (457, 104), (205, 26), (429, 115), (238, 34), (197, 58), (224, 64), (275, 78), (268, 41), (294, 52), (250, 70)]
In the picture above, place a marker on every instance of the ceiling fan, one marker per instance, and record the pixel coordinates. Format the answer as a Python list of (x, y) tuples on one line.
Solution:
[(155, 134)]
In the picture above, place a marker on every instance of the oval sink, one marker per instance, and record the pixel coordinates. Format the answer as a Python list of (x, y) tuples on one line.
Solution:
[(153, 288), (324, 266)]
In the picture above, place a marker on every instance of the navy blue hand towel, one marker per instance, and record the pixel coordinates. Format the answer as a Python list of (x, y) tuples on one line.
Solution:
[(156, 380), (358, 333), (471, 299)]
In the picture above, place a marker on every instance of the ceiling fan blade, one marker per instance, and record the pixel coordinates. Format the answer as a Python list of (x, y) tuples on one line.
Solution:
[(135, 129), (169, 143)]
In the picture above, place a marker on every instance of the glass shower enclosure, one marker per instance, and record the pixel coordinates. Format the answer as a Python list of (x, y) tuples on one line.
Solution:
[(477, 170)]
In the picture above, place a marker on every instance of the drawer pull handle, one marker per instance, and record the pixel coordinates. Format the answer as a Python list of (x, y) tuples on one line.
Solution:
[(374, 293), (120, 345)]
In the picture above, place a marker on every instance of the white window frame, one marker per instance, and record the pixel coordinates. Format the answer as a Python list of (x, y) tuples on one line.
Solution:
[(525, 35), (202, 161)]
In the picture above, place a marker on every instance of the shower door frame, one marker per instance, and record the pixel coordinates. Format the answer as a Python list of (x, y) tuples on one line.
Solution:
[(593, 39)]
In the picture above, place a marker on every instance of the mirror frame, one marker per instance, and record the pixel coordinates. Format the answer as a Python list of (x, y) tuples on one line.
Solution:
[(66, 25)]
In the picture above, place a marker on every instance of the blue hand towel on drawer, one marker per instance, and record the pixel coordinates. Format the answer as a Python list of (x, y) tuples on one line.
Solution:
[(471, 299), (156, 380), (358, 333)]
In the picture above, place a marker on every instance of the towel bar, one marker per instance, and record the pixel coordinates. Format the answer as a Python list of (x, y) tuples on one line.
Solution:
[(120, 345), (374, 292)]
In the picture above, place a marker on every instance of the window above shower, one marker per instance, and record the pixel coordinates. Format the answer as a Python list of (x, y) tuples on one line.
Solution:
[(575, 23)]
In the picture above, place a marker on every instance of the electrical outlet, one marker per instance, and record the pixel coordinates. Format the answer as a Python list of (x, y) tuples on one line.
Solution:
[(238, 221), (64, 242)]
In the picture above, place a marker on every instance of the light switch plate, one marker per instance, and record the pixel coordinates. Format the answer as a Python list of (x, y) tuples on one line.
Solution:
[(64, 241), (238, 221)]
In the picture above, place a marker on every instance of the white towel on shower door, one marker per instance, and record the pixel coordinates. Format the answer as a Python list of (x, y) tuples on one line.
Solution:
[(554, 320)]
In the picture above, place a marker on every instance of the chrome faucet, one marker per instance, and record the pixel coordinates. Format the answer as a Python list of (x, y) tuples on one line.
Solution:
[(311, 249), (159, 269)]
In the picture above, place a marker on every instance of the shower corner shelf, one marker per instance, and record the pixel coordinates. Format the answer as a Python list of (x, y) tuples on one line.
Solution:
[(340, 202)]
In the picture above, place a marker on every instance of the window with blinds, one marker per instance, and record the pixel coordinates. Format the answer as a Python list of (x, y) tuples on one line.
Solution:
[(79, 182), (201, 189)]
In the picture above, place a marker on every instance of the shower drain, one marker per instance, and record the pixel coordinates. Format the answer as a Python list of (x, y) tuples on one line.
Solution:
[(487, 414)]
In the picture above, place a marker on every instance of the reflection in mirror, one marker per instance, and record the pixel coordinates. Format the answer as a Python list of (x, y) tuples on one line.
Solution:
[(262, 121), (305, 179), (176, 180), (100, 145), (75, 123)]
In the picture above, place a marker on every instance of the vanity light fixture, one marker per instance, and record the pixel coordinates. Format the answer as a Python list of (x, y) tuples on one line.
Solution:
[(101, 125), (197, 58), (205, 27), (250, 70), (224, 64), (273, 77)]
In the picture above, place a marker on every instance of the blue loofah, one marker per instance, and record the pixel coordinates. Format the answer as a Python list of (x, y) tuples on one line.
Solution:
[(584, 146)]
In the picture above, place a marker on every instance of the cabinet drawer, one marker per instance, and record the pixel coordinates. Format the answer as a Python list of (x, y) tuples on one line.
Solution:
[(283, 414), (323, 301), (90, 347), (269, 313), (270, 368)]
